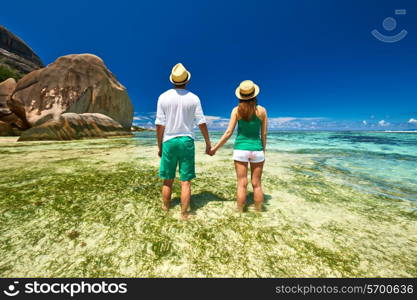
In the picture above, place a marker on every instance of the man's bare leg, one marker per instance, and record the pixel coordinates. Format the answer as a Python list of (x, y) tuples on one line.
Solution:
[(166, 193), (185, 199)]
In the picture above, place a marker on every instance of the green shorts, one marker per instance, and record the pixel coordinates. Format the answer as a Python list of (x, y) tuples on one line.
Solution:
[(179, 150)]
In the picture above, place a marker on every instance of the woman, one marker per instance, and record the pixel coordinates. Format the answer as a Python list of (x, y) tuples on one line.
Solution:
[(250, 143)]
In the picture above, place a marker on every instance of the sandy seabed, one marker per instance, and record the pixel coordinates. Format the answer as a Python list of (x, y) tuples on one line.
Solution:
[(91, 208)]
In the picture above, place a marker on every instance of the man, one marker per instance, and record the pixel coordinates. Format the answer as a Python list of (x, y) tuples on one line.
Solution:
[(177, 113)]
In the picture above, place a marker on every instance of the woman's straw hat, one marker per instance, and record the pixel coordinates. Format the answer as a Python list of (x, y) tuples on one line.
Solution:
[(247, 90), (179, 75)]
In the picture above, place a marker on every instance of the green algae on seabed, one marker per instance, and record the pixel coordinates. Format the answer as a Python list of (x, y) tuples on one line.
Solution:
[(91, 208)]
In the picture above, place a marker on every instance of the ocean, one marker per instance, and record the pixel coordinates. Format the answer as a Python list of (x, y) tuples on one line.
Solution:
[(383, 163)]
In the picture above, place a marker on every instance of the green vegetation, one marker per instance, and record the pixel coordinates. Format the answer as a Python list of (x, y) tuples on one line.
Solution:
[(6, 72), (92, 208)]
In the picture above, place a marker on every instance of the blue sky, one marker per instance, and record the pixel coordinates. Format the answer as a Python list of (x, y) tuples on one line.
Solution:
[(316, 62)]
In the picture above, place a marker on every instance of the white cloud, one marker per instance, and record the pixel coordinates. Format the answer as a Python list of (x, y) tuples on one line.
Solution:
[(148, 115), (139, 118), (383, 123), (217, 122), (281, 120), (221, 123), (294, 123), (145, 120), (211, 118)]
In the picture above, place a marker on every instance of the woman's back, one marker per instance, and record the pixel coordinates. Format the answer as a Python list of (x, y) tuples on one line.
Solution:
[(250, 144), (249, 134)]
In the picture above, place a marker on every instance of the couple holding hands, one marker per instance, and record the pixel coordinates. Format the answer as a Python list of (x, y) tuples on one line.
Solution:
[(179, 110)]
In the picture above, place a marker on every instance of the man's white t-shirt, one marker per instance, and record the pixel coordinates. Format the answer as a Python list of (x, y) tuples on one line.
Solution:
[(179, 111)]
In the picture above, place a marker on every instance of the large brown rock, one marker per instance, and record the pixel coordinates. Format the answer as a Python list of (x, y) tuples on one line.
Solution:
[(70, 126), (16, 54), (6, 89), (78, 83), (14, 123)]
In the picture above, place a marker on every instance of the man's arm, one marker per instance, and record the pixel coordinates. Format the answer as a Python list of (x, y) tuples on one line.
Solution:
[(204, 132), (201, 122), (159, 136), (160, 126)]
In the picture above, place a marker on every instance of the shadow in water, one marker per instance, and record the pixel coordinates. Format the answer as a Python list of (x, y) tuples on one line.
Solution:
[(199, 200), (203, 198), (249, 201)]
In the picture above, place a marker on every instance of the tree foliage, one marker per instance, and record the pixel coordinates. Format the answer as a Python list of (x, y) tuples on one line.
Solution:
[(6, 72)]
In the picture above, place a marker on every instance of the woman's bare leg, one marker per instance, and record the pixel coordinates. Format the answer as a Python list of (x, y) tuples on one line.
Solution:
[(256, 175), (242, 183)]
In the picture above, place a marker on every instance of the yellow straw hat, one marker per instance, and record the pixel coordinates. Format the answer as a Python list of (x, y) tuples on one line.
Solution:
[(247, 90), (179, 75)]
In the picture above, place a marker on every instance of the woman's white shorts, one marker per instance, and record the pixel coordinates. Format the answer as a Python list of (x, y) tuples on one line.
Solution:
[(248, 156)]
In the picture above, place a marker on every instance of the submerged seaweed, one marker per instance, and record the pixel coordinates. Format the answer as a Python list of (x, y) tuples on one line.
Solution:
[(92, 209)]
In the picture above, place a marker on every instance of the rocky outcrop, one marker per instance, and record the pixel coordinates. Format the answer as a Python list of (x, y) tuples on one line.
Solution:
[(16, 59), (14, 123), (16, 54), (74, 97), (73, 83), (70, 126), (6, 89)]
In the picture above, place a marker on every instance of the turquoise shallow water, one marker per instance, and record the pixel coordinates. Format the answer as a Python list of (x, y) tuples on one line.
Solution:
[(374, 162), (378, 162)]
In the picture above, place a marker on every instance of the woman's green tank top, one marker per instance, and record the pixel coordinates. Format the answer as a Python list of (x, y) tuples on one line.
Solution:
[(249, 135)]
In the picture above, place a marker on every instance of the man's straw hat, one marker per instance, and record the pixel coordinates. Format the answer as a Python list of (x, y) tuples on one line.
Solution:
[(247, 90), (179, 75)]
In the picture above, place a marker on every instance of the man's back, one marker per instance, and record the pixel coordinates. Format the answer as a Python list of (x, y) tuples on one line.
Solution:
[(179, 111)]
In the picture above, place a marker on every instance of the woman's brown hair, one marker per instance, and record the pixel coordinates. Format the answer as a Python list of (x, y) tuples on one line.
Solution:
[(246, 109)]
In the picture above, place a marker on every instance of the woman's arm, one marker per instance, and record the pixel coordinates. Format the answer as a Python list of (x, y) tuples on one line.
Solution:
[(264, 129), (229, 131)]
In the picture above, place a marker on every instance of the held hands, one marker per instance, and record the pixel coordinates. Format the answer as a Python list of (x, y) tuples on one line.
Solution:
[(213, 151), (210, 150)]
